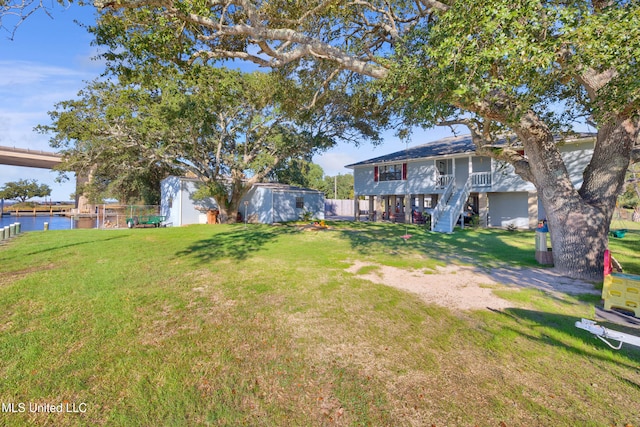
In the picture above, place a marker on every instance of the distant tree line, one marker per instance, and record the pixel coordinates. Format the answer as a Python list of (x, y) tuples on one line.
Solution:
[(303, 173)]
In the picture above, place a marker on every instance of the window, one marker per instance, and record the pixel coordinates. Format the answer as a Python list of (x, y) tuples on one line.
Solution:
[(299, 202), (395, 172)]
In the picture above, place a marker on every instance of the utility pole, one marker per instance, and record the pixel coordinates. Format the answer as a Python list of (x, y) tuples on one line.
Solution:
[(335, 187)]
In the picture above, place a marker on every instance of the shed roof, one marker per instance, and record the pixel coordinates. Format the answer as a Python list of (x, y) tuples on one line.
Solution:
[(450, 146), (285, 187), (270, 185)]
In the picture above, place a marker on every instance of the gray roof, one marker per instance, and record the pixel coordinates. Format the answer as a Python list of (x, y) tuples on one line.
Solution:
[(271, 185), (450, 146), (284, 187), (442, 147)]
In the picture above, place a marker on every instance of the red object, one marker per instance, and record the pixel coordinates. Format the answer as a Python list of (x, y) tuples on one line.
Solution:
[(607, 262), (375, 173), (404, 171)]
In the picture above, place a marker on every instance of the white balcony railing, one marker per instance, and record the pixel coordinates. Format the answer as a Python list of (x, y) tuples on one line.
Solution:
[(480, 179), (443, 180)]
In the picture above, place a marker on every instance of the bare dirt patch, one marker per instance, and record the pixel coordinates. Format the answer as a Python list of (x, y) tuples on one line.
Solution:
[(10, 277), (468, 288), (451, 286)]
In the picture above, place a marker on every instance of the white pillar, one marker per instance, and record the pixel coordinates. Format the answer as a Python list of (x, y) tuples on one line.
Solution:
[(356, 207), (407, 208), (371, 207), (379, 207)]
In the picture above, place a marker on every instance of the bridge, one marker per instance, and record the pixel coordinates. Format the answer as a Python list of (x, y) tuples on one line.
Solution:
[(44, 160), (29, 158)]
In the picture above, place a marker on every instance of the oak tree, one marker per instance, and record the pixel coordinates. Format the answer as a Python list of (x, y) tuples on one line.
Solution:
[(230, 129), (529, 69), (23, 190)]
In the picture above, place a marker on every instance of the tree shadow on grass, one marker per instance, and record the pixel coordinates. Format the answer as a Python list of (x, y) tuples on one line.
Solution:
[(237, 244), (565, 324), (55, 247), (487, 248), (370, 238)]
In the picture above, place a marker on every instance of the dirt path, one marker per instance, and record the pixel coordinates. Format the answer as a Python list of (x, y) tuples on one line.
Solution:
[(469, 288)]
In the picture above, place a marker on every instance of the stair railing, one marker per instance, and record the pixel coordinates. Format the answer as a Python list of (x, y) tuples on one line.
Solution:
[(461, 198), (443, 202)]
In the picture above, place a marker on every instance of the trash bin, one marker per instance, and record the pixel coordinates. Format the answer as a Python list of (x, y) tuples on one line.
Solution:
[(541, 241), (212, 216)]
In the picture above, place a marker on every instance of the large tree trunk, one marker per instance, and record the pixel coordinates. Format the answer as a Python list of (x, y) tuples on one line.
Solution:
[(230, 205), (578, 219), (579, 239)]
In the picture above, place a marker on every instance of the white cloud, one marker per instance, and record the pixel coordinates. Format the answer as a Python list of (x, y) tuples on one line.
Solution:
[(28, 90), (20, 73)]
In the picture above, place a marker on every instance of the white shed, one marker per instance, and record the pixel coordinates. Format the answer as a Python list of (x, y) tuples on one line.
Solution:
[(266, 202), (179, 206), (272, 202)]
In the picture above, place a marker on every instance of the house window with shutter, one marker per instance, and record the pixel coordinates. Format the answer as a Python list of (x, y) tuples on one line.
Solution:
[(396, 172)]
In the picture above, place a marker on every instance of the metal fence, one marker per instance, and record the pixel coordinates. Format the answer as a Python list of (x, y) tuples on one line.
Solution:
[(116, 216)]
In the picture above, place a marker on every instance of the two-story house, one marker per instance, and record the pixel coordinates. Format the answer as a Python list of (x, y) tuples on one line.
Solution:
[(442, 179)]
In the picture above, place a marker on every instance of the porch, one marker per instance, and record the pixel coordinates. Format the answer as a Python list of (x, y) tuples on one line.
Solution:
[(429, 208)]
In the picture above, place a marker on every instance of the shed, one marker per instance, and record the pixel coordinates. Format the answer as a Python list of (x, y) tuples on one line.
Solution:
[(266, 202), (179, 206), (273, 202)]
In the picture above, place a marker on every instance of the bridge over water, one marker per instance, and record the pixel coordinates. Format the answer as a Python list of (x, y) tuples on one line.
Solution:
[(39, 159)]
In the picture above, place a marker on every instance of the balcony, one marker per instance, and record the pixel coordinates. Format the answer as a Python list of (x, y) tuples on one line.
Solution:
[(480, 180)]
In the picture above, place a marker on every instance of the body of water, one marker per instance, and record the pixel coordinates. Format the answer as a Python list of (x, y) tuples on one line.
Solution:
[(31, 223)]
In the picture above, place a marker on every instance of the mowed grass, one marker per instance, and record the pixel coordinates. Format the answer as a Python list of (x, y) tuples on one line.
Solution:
[(222, 325)]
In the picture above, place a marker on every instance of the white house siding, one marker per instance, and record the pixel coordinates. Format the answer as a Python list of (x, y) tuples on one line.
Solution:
[(420, 180), (420, 177), (504, 178), (481, 164), (509, 208), (576, 157), (365, 184), (461, 171), (363, 180)]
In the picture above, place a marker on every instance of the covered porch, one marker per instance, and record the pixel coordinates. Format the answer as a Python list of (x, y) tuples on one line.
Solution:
[(401, 208)]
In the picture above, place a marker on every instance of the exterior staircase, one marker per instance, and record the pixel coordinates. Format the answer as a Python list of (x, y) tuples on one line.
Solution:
[(450, 206)]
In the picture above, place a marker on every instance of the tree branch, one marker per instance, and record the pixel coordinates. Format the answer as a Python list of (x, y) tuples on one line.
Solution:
[(485, 146)]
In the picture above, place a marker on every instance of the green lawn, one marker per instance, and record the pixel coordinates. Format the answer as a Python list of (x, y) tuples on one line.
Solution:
[(222, 325)]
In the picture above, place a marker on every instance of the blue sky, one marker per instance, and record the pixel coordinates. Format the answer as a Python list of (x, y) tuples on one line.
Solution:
[(50, 59)]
